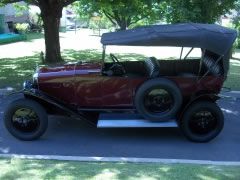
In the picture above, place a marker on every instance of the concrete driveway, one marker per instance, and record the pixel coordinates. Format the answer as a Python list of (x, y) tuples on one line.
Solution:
[(70, 137)]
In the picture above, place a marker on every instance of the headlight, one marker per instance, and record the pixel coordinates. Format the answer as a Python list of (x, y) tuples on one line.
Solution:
[(35, 77), (31, 84), (35, 80), (27, 85)]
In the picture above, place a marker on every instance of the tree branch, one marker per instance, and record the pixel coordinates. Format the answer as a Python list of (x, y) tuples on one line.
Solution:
[(10, 1), (67, 2), (110, 17), (33, 2), (137, 19)]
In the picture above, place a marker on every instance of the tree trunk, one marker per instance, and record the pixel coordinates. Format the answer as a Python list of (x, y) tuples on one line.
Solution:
[(52, 42), (123, 24)]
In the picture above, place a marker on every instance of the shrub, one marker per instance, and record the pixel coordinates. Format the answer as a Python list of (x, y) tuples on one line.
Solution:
[(22, 27)]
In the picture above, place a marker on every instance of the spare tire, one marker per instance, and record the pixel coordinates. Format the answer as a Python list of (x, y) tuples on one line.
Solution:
[(158, 99)]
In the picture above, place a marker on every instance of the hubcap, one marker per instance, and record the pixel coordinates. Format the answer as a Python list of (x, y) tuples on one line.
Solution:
[(25, 120), (203, 122), (158, 101)]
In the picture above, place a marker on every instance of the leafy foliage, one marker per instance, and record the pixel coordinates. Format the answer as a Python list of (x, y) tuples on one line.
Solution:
[(22, 27), (201, 11), (236, 22), (121, 13)]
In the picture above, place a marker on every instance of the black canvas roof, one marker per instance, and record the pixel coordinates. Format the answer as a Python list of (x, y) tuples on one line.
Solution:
[(212, 37)]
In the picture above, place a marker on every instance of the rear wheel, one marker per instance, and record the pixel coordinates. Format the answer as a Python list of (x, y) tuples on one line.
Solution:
[(25, 119), (202, 121)]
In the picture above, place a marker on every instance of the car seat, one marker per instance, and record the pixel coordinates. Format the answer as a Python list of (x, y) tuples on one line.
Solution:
[(152, 67), (210, 64)]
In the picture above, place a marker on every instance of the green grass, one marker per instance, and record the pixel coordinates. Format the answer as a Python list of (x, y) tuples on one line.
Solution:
[(233, 80), (49, 169), (14, 71), (33, 36)]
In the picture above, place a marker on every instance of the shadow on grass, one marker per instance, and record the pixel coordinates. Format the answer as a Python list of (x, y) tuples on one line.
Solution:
[(96, 55), (12, 168), (14, 71), (88, 55)]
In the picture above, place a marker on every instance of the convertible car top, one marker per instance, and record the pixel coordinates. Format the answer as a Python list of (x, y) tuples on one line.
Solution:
[(212, 37)]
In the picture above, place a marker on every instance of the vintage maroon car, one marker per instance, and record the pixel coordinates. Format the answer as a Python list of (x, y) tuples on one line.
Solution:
[(152, 93)]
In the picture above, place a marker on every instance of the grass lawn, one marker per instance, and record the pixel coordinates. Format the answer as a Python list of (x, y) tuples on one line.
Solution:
[(233, 80), (50, 169), (14, 71), (33, 36)]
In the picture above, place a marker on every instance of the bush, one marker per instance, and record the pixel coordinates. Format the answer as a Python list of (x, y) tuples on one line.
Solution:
[(236, 45), (22, 27), (238, 39)]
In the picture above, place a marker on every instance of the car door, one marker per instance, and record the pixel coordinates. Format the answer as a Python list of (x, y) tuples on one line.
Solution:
[(88, 87), (116, 92)]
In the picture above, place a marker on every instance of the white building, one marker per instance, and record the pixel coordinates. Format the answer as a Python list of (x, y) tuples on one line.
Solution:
[(11, 14)]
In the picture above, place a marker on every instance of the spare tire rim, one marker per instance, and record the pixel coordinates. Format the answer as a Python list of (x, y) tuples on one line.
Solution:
[(203, 122), (25, 120), (158, 101)]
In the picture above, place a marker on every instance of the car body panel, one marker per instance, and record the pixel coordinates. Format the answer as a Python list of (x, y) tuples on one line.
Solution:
[(84, 86)]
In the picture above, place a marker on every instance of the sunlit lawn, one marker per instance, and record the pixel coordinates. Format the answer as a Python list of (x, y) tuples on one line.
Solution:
[(233, 80), (50, 169)]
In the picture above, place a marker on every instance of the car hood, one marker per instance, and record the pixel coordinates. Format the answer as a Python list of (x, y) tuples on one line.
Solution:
[(70, 67)]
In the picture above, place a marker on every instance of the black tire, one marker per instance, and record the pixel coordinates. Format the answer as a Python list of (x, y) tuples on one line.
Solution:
[(202, 127), (158, 83), (34, 126)]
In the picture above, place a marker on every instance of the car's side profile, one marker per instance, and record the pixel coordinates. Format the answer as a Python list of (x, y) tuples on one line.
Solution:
[(154, 91)]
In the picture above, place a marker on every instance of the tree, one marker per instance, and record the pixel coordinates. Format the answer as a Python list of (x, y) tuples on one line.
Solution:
[(121, 13), (199, 11), (236, 22), (51, 13)]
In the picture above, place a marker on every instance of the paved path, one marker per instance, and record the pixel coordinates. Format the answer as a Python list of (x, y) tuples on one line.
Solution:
[(70, 137)]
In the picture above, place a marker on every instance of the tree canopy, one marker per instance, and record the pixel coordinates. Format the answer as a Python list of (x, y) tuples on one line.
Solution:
[(121, 13), (201, 11)]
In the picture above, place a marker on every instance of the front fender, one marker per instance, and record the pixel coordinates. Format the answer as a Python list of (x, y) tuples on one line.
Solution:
[(44, 99), (50, 102)]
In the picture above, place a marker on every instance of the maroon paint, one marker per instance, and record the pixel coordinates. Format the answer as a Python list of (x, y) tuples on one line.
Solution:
[(84, 86)]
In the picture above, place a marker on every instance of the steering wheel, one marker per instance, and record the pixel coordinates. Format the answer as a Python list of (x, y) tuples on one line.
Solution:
[(114, 58), (117, 68)]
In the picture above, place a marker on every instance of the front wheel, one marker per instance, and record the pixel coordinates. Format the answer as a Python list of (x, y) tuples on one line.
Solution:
[(25, 119), (202, 121)]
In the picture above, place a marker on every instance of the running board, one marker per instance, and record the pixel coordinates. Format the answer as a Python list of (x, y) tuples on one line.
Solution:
[(131, 121)]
